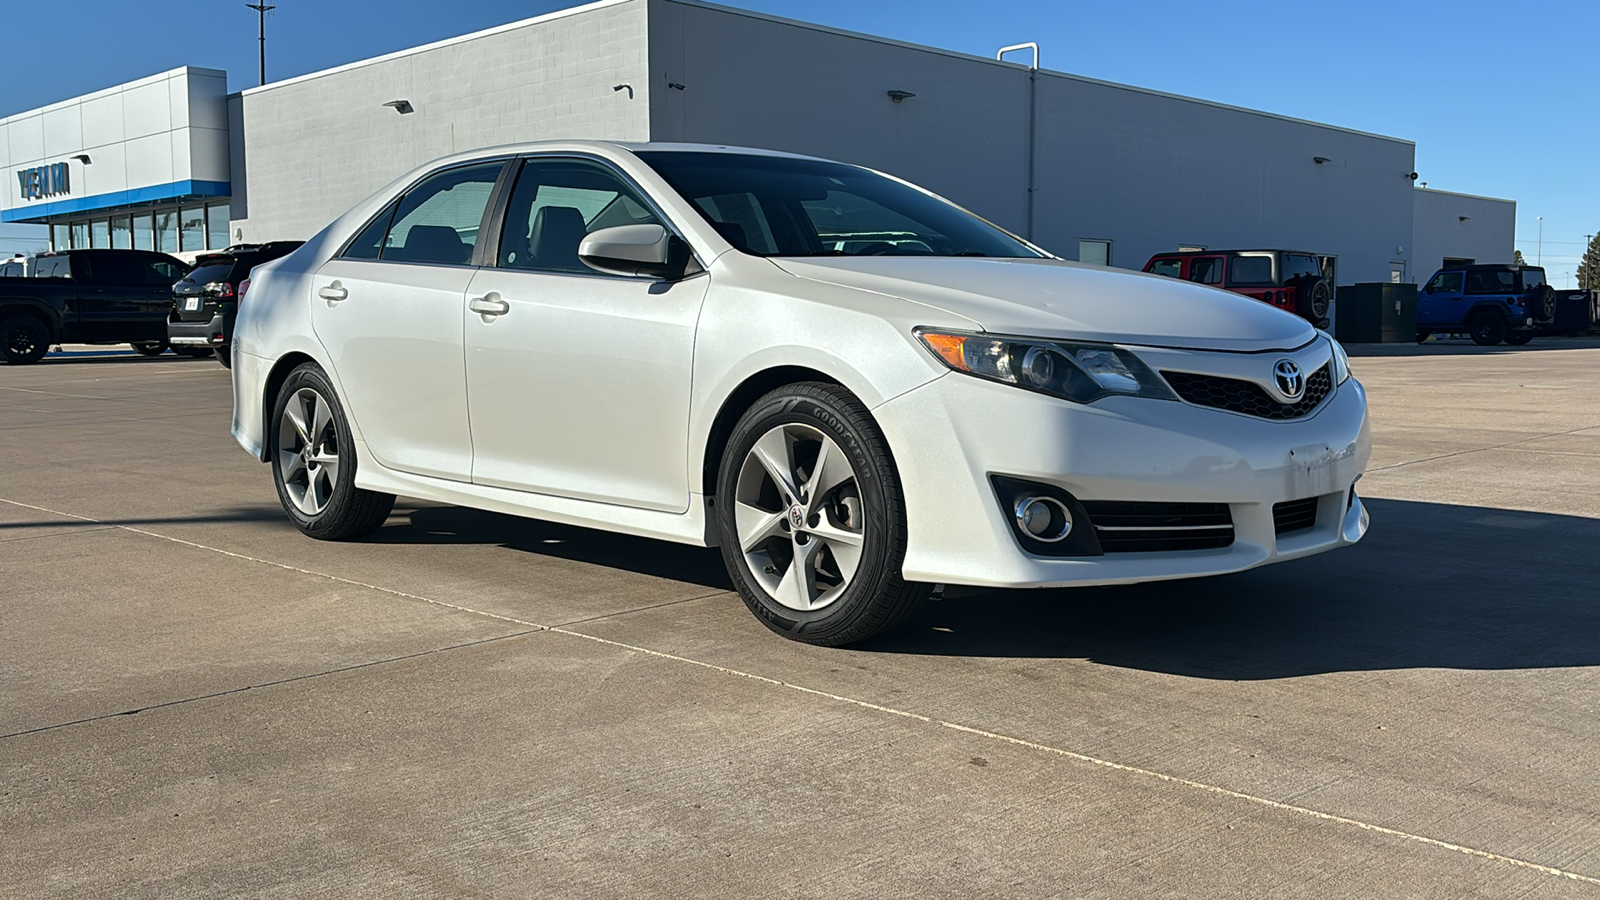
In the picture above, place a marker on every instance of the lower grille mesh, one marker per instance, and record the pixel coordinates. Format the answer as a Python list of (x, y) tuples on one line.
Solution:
[(1294, 515)]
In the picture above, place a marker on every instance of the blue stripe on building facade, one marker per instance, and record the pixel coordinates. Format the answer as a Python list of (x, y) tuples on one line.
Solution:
[(35, 212)]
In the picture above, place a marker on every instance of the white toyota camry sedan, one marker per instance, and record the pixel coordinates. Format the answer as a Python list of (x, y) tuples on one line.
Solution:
[(856, 389)]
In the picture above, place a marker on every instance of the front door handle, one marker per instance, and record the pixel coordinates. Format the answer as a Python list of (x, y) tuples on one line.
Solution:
[(489, 304), (333, 293)]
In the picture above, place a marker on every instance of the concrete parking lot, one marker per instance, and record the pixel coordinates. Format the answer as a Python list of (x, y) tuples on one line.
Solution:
[(200, 702)]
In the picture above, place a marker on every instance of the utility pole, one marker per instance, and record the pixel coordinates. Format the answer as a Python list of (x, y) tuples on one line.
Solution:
[(1541, 242), (261, 33)]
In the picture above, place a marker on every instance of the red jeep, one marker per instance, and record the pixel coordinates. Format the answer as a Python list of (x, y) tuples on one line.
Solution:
[(1288, 279)]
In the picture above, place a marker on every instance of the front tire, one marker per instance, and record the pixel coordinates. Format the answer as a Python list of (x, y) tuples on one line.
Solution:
[(812, 520), (23, 339), (314, 462)]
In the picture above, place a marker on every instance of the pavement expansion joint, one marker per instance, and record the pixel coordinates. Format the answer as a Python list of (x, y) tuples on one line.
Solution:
[(1508, 444), (1215, 790)]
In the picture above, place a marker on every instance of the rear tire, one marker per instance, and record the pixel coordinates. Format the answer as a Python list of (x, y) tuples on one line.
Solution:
[(1487, 329), (1312, 299), (150, 348), (314, 462), (812, 520), (1422, 336), (23, 339)]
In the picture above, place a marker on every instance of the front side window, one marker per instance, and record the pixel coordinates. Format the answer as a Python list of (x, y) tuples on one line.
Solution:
[(783, 206), (437, 221), (1491, 281), (1206, 269), (1167, 267), (555, 204), (1250, 270), (1445, 283)]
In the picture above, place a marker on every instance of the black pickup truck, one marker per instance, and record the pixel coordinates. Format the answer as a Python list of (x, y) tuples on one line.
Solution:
[(88, 297)]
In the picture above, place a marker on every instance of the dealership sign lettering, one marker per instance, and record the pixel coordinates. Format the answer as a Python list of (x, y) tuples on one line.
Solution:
[(44, 181)]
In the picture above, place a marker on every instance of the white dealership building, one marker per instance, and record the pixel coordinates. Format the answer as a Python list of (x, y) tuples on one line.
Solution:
[(1089, 169)]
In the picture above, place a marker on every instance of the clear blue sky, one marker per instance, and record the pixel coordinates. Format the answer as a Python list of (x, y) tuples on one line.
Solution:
[(1500, 98)]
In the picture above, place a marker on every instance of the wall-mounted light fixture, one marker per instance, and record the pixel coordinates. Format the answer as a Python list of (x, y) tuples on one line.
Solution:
[(400, 106), (675, 85), (897, 96), (1319, 160), (82, 157), (1411, 175), (624, 87)]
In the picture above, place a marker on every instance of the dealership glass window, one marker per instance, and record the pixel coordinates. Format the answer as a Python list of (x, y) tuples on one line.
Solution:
[(192, 228), (100, 233), (218, 219), (167, 230), (80, 235), (1095, 252), (144, 236), (60, 239), (121, 233)]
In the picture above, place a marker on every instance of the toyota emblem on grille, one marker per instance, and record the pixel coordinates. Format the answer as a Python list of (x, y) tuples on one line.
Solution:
[(1286, 372)]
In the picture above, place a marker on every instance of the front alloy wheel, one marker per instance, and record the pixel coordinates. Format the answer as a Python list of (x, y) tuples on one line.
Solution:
[(798, 511), (811, 518)]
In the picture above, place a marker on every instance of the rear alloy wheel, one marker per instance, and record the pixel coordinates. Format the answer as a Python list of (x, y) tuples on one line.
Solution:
[(23, 339), (314, 464), (1487, 329), (150, 348), (811, 518)]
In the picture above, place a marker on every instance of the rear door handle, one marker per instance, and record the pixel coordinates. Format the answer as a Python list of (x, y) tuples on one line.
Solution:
[(489, 304), (333, 293)]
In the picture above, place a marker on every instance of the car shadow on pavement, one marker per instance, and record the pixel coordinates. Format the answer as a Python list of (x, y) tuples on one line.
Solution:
[(1431, 586), (429, 524), (237, 514)]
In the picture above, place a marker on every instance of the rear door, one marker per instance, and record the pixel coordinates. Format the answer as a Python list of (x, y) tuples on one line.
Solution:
[(122, 297), (389, 311)]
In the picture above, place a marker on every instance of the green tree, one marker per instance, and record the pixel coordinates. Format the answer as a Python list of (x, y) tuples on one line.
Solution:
[(1516, 258), (1589, 267)]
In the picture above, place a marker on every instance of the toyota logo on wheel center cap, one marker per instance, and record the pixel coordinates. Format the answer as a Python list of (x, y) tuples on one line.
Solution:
[(1286, 374), (797, 516)]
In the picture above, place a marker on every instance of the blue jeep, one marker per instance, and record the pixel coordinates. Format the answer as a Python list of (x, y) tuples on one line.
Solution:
[(1490, 304)]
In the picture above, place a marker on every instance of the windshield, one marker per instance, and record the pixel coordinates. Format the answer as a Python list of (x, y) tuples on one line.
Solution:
[(781, 206)]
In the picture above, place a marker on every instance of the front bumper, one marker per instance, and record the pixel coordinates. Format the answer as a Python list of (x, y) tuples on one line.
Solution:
[(196, 334), (952, 434)]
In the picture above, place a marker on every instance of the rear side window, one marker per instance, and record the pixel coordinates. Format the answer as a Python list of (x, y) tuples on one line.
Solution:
[(1167, 267), (52, 267), (1299, 266), (435, 222), (160, 271), (1206, 269), (1250, 270), (1491, 281)]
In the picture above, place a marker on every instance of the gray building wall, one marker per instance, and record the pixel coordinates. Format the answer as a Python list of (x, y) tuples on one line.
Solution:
[(1142, 169), (1487, 235), (311, 147)]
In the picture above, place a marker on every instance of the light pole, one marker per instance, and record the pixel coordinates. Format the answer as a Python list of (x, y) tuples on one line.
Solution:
[(261, 33), (1033, 113), (1540, 257), (1586, 265)]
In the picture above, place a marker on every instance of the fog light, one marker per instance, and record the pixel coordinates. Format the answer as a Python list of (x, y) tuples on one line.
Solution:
[(1043, 518)]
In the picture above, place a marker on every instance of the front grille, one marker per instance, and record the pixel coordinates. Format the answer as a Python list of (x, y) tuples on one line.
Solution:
[(1294, 515), (1247, 397), (1130, 527)]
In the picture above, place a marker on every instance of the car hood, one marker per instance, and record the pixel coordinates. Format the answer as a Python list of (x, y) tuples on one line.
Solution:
[(1055, 298)]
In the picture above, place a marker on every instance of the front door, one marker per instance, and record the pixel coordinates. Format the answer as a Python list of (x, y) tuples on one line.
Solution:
[(579, 382), (1439, 302), (389, 311), (123, 296)]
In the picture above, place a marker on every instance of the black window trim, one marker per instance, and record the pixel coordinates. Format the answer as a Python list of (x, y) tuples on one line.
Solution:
[(393, 206)]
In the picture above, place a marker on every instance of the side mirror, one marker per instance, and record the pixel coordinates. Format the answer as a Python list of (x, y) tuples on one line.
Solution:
[(635, 250)]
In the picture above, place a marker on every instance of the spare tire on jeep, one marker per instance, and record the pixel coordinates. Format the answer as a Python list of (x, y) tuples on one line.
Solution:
[(1542, 303), (1311, 298)]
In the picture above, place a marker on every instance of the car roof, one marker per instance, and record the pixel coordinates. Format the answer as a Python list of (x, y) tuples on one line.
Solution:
[(1217, 252), (611, 147)]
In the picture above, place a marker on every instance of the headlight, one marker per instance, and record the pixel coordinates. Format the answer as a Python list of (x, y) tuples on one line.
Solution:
[(1341, 361), (1071, 370)]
